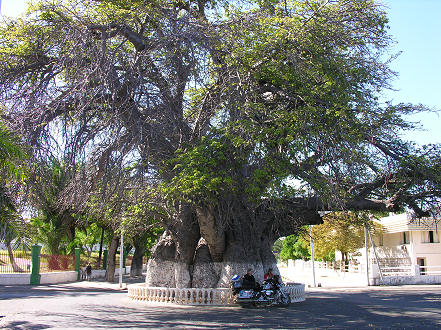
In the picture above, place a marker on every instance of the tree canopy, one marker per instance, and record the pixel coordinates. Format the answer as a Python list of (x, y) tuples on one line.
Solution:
[(224, 99)]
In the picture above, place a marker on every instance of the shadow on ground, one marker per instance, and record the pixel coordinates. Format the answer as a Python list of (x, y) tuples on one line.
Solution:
[(321, 310), (64, 289)]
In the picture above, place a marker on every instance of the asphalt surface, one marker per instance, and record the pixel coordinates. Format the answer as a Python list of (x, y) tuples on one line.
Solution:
[(95, 305)]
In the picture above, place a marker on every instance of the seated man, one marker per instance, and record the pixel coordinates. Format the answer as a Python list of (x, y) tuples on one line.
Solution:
[(276, 279), (249, 282)]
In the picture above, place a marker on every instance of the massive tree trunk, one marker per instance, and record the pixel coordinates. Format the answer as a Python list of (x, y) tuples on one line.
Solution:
[(171, 263), (110, 273), (215, 247)]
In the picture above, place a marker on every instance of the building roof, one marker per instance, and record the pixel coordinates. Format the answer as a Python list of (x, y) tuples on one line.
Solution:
[(397, 223)]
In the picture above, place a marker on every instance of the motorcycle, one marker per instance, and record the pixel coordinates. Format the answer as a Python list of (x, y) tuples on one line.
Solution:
[(271, 293)]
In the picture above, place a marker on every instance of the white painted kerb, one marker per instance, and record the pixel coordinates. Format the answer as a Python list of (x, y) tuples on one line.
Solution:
[(198, 296)]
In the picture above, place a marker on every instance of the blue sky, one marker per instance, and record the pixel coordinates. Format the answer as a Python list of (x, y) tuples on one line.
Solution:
[(416, 27)]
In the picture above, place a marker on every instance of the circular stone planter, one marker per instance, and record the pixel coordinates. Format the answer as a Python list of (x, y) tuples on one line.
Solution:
[(198, 296)]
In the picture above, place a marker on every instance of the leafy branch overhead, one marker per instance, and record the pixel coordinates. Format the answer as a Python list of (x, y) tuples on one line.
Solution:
[(219, 105)]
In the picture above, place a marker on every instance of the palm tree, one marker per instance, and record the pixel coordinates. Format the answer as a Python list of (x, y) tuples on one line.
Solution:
[(12, 228), (12, 153), (14, 234)]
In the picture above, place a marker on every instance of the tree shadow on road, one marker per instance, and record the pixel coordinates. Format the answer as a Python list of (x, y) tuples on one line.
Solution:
[(373, 309), (318, 311), (24, 325), (51, 290)]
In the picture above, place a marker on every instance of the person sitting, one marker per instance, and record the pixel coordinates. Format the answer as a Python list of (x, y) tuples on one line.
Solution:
[(275, 280), (268, 275), (248, 282)]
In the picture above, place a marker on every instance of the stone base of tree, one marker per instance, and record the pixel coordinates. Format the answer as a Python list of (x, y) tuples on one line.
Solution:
[(162, 273)]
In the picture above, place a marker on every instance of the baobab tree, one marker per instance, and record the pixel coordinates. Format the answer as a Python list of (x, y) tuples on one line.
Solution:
[(244, 118)]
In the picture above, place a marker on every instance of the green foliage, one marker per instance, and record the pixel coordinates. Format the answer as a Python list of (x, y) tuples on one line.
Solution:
[(295, 247), (129, 212), (87, 238), (214, 169), (342, 231), (12, 155), (47, 232), (151, 237), (205, 172), (14, 231), (55, 226), (310, 76)]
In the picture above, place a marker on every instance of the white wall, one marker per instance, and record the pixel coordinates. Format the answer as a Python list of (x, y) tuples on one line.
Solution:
[(58, 277), (408, 280), (430, 251), (101, 273), (15, 279), (46, 278), (300, 271), (392, 239), (53, 277)]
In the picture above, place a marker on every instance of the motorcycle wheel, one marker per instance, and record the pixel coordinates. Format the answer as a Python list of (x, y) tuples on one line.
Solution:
[(285, 300), (247, 305)]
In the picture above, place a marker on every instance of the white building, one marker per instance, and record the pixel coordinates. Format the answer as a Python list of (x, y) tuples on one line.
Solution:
[(408, 241), (408, 252)]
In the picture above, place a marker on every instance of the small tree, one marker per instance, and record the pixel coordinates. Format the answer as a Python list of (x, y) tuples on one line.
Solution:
[(341, 231), (295, 247), (56, 222)]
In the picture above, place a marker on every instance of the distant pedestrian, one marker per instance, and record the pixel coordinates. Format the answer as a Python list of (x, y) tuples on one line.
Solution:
[(89, 272), (83, 273)]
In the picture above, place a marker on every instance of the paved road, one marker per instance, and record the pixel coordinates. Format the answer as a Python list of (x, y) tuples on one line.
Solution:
[(96, 305)]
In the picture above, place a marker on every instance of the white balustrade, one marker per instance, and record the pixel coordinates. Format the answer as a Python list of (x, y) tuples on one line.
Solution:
[(296, 291), (199, 296)]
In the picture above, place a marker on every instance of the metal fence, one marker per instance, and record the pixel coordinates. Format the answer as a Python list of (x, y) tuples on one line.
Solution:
[(17, 262), (20, 262), (56, 263), (335, 265)]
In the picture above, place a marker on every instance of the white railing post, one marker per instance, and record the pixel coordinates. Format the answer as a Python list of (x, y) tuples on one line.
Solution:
[(416, 270)]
